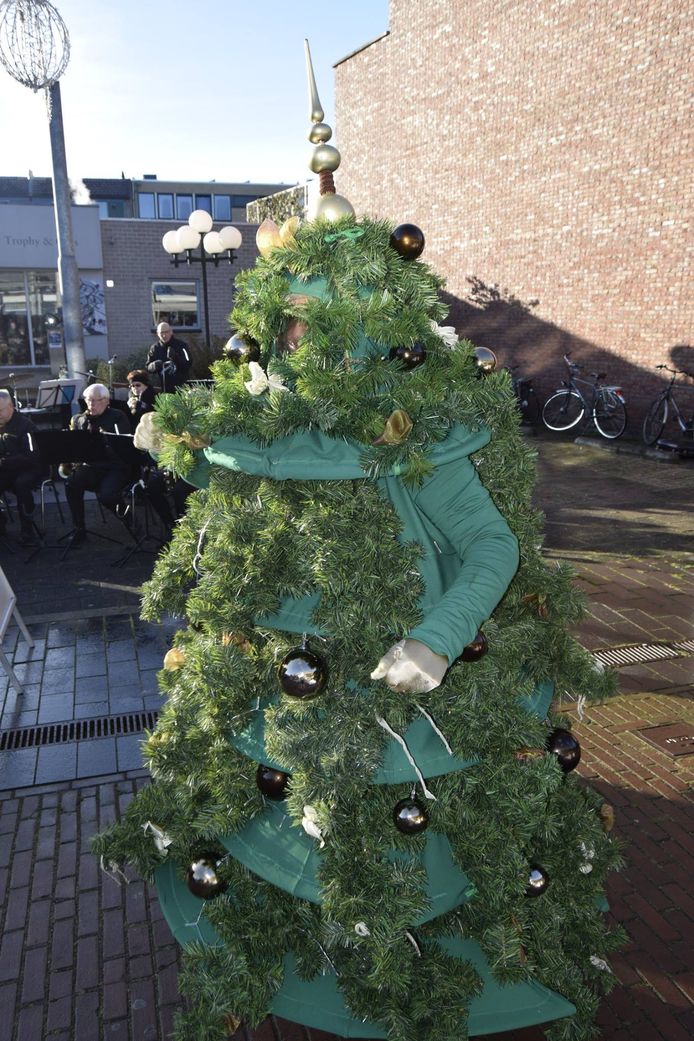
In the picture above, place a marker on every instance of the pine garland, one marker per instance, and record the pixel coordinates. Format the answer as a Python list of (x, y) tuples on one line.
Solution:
[(248, 542)]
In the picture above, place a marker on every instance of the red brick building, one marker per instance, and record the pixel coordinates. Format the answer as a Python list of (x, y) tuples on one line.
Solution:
[(545, 150)]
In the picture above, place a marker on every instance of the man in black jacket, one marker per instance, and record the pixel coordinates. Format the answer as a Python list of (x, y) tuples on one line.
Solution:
[(170, 358), (20, 463), (108, 478)]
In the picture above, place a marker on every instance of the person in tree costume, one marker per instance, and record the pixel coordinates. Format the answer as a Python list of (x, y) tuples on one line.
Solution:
[(363, 815)]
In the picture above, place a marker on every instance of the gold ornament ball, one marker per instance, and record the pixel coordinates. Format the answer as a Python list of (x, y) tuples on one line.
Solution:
[(174, 659), (319, 133), (324, 157), (330, 208), (288, 231), (486, 360), (267, 237)]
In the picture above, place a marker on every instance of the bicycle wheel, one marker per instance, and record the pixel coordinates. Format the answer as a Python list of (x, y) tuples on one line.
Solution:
[(609, 415), (563, 410), (654, 423)]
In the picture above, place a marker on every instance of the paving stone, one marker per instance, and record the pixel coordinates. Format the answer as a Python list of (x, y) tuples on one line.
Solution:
[(94, 758), (55, 762), (90, 663), (29, 1024), (11, 955), (121, 651)]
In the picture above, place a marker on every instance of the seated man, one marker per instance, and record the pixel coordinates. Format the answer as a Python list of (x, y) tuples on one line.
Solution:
[(20, 463), (107, 478)]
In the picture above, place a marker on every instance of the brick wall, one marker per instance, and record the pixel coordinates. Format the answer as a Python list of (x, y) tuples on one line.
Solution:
[(545, 151), (133, 256)]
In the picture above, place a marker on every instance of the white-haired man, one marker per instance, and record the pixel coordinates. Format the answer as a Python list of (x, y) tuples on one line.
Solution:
[(107, 479), (20, 463), (169, 357)]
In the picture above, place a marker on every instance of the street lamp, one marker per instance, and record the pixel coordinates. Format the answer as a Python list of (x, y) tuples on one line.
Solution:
[(213, 245), (35, 50)]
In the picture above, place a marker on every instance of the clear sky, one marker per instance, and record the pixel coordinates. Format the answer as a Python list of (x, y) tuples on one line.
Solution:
[(202, 90)]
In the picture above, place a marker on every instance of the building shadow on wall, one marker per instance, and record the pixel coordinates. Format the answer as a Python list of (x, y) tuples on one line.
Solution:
[(492, 316)]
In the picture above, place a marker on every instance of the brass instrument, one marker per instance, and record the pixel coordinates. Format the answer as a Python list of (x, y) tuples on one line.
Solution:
[(66, 469)]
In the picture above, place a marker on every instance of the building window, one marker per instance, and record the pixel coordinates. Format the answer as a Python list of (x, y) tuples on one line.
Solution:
[(111, 208), (204, 202), (184, 206), (243, 200), (145, 202), (222, 207), (166, 207), (26, 298), (175, 303)]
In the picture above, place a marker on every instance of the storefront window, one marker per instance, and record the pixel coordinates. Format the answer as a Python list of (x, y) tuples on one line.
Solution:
[(25, 300), (175, 303)]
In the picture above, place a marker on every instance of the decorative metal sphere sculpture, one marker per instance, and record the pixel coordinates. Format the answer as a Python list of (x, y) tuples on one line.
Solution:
[(34, 42)]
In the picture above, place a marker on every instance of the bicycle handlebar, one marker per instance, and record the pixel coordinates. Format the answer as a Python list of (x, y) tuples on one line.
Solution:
[(676, 372)]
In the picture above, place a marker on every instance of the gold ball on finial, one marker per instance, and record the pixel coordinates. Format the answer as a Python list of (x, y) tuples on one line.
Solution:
[(324, 157), (319, 132), (330, 208)]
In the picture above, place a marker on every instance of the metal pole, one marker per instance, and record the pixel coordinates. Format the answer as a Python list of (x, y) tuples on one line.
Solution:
[(67, 264), (203, 262)]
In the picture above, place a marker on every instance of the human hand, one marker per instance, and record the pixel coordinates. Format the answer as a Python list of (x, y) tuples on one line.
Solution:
[(155, 366), (410, 667)]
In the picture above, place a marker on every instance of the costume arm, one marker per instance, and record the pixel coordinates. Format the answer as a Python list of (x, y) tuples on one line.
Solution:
[(454, 500)]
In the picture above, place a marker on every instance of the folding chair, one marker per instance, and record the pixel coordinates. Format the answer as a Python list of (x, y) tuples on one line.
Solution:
[(8, 609)]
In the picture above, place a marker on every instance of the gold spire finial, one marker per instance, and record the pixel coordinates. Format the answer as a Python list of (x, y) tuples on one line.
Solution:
[(315, 113), (325, 158)]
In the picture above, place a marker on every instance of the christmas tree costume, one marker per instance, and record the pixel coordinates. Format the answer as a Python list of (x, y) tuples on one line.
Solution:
[(364, 817)]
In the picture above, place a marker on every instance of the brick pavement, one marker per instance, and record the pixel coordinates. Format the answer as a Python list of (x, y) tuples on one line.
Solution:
[(82, 957)]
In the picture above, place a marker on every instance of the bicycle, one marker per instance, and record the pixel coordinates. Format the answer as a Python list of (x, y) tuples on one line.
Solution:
[(657, 415), (528, 402), (567, 407)]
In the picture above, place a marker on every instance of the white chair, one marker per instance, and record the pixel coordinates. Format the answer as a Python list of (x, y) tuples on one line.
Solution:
[(8, 609)]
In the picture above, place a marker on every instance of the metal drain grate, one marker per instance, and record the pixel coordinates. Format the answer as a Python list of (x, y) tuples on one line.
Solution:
[(77, 730), (637, 653)]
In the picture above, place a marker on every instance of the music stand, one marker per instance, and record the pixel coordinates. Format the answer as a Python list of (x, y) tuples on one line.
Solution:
[(54, 393), (55, 396), (81, 446), (147, 535)]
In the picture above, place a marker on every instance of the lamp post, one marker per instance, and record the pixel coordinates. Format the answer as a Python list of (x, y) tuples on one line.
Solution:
[(213, 246), (35, 50)]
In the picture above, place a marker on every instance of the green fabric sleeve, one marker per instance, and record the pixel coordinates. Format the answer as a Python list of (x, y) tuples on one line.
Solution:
[(454, 500)]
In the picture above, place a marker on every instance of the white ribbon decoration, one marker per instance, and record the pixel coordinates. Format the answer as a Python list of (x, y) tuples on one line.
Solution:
[(446, 332), (586, 867), (401, 741), (198, 552), (113, 871), (599, 963), (436, 730), (308, 823), (161, 839), (362, 929), (260, 381), (414, 943)]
